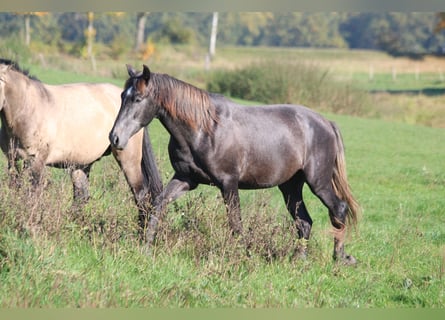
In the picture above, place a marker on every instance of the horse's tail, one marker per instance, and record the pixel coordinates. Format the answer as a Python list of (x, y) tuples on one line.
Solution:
[(340, 180), (151, 176)]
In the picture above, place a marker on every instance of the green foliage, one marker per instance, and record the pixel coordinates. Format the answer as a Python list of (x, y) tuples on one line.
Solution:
[(119, 46), (14, 49), (173, 31), (297, 83)]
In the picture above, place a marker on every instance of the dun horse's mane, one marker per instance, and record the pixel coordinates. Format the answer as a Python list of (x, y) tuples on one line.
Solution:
[(34, 80), (183, 101), (15, 66)]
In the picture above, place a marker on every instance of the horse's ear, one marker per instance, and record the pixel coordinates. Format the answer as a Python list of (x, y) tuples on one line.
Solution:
[(131, 71), (146, 73)]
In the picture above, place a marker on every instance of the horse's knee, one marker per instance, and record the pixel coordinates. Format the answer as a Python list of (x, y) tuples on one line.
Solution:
[(338, 214)]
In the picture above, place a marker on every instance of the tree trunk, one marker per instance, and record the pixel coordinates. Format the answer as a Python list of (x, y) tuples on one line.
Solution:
[(27, 30), (213, 35), (90, 34), (140, 32)]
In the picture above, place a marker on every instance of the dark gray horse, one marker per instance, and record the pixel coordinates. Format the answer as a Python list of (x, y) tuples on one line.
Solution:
[(215, 141)]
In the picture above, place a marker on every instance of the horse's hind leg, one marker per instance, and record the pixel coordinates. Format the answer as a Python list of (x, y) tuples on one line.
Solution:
[(292, 191), (230, 194), (337, 213), (80, 179)]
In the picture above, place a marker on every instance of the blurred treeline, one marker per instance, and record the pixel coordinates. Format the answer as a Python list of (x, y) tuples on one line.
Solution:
[(398, 33)]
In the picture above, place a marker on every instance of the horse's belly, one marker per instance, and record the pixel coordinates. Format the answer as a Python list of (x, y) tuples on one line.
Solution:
[(267, 174), (77, 154)]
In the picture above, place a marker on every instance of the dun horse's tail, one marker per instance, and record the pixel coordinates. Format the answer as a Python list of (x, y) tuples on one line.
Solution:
[(152, 178), (340, 180)]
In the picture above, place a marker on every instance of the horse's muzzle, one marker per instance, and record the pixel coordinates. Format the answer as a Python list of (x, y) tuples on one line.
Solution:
[(115, 141)]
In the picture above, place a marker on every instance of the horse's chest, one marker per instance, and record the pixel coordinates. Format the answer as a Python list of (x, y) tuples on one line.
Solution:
[(188, 163)]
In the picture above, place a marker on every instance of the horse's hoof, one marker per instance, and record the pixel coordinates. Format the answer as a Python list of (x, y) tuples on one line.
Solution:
[(349, 261), (300, 252)]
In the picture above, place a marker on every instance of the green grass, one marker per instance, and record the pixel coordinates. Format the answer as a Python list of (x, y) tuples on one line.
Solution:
[(396, 171), (52, 257), (402, 83)]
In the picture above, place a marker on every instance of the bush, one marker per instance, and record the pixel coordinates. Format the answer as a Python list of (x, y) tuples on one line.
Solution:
[(294, 83), (15, 49)]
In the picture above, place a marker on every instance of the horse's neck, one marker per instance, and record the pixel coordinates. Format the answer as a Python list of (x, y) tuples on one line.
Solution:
[(19, 101), (178, 130)]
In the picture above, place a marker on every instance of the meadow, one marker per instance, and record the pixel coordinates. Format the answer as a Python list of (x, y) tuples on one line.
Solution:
[(51, 256)]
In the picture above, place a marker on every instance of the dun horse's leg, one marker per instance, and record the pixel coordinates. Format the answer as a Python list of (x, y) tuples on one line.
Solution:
[(7, 148), (80, 181), (15, 163), (129, 160), (14, 172), (36, 166)]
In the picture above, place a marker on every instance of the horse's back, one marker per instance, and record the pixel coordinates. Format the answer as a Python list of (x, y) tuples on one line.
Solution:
[(82, 115), (271, 143), (299, 121)]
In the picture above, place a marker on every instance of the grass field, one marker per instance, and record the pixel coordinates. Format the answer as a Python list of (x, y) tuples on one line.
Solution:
[(49, 257)]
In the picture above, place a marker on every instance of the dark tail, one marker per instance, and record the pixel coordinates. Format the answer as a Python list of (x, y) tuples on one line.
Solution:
[(152, 177), (340, 180)]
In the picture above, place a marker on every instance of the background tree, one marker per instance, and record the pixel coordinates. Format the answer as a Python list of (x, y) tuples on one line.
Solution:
[(27, 17), (398, 33), (440, 24), (140, 30), (213, 33)]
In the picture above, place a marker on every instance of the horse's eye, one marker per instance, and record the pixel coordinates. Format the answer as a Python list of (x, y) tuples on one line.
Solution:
[(137, 99)]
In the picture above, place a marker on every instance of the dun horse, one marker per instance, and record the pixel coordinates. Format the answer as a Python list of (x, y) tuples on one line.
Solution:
[(68, 126), (215, 141)]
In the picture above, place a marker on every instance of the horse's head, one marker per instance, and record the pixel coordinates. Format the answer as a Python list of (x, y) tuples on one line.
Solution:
[(137, 108)]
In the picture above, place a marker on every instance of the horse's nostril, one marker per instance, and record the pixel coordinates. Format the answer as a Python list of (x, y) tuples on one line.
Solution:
[(114, 139)]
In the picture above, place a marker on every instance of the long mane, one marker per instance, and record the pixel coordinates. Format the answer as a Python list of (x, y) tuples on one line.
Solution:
[(15, 66), (40, 86), (183, 101)]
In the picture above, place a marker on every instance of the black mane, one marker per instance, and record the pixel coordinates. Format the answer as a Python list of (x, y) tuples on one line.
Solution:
[(15, 66)]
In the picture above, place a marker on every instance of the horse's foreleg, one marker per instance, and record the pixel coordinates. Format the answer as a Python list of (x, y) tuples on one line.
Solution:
[(14, 171), (15, 163), (174, 189)]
